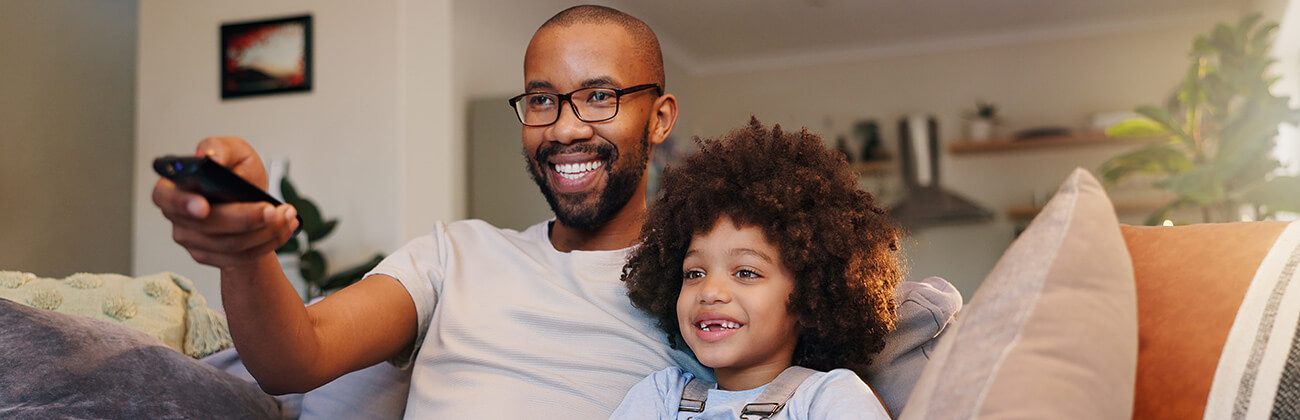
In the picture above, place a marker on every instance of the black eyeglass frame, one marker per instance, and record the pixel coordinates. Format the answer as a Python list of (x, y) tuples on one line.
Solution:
[(568, 97)]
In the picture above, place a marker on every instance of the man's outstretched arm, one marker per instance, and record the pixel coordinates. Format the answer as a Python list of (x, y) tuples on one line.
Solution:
[(289, 348), (286, 346)]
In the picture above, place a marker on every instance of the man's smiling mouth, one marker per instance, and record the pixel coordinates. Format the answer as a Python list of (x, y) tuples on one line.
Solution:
[(574, 171)]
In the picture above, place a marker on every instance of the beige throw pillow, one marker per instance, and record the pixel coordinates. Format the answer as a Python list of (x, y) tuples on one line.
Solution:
[(1052, 331), (163, 305)]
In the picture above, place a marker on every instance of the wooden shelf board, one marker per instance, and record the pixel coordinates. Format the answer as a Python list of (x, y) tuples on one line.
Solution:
[(872, 168), (1005, 144)]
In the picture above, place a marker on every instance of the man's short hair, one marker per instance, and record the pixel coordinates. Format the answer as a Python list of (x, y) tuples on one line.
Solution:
[(646, 43)]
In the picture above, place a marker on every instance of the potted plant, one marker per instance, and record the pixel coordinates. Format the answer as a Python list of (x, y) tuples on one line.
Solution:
[(868, 134), (312, 264), (980, 124), (1219, 131)]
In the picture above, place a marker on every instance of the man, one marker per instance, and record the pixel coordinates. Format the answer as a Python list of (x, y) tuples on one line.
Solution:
[(500, 324)]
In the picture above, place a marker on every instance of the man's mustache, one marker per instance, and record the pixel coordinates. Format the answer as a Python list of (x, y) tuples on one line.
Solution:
[(602, 148)]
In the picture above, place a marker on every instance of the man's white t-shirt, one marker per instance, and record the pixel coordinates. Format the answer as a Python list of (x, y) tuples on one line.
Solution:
[(510, 328)]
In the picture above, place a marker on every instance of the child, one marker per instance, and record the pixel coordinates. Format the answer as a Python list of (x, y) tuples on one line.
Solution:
[(761, 254)]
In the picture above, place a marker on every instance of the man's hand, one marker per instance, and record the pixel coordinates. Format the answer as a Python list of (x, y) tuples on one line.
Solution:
[(226, 235)]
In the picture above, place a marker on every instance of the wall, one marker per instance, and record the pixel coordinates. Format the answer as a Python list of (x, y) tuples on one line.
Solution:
[(372, 143), (66, 132), (1051, 81), (490, 39)]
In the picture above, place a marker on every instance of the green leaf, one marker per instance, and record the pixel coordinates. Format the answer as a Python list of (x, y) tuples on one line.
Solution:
[(1191, 95), (351, 275), (1223, 38), (1254, 126), (312, 267), (312, 221), (1272, 80), (287, 191), (1137, 128), (1281, 193), (1251, 175), (290, 247), (1262, 37), (1247, 158), (1201, 47), (1246, 23), (319, 232), (307, 210), (1217, 92), (311, 218), (1162, 117), (1156, 159), (1200, 185)]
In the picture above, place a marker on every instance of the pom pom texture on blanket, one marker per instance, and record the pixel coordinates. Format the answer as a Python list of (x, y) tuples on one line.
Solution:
[(164, 305)]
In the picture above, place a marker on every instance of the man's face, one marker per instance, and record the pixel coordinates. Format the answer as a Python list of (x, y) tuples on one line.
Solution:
[(588, 171)]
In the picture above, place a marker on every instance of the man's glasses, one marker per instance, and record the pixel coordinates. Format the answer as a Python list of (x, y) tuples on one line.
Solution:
[(593, 104)]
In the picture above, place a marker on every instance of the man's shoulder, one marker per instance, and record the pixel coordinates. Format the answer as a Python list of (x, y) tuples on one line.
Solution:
[(469, 234), (480, 228)]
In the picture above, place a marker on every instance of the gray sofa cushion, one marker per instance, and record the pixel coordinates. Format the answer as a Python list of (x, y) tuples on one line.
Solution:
[(925, 308), (56, 365)]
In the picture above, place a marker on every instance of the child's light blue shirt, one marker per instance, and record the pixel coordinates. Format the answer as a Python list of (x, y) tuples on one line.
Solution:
[(838, 394)]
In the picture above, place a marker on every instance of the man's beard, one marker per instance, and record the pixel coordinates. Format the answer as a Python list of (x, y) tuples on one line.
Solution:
[(620, 186)]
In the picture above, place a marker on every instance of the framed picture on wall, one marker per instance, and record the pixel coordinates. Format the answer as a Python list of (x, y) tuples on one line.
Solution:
[(266, 56)]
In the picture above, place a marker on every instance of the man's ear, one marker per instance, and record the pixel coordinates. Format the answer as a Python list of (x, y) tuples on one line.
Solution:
[(663, 118)]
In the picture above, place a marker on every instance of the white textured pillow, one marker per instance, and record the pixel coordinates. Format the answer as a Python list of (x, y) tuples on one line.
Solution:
[(1052, 331), (163, 305)]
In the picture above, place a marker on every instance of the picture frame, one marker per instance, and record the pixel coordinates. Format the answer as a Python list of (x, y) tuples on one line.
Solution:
[(269, 56)]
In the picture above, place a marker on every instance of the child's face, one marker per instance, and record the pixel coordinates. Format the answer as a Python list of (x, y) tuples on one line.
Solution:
[(732, 308)]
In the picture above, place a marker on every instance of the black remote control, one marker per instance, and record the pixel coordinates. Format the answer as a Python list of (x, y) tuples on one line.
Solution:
[(206, 177)]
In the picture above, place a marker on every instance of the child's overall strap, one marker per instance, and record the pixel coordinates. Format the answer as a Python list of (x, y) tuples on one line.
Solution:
[(771, 401), (777, 393), (694, 395)]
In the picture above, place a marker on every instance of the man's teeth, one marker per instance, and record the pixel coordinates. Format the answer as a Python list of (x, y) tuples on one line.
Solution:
[(575, 170), (718, 325)]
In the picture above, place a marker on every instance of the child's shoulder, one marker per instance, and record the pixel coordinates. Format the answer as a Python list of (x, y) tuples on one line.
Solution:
[(664, 382), (842, 374), (673, 373), (657, 393), (837, 378), (839, 390)]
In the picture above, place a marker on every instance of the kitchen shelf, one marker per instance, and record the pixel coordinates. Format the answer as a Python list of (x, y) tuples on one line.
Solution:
[(872, 168), (1077, 139)]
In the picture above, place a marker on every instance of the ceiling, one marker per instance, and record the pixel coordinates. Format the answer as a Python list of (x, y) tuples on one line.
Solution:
[(709, 34)]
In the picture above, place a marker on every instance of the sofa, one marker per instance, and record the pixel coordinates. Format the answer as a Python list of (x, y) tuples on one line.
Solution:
[(1084, 318), (1081, 318)]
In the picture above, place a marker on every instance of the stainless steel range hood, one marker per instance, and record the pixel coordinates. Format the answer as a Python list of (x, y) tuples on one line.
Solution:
[(927, 203)]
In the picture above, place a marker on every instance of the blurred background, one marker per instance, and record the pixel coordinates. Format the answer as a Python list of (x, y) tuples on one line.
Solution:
[(405, 123)]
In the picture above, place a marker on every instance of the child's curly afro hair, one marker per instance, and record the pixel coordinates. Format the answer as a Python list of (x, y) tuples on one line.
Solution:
[(837, 242)]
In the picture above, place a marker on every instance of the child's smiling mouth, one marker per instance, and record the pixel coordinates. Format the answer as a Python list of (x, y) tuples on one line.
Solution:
[(713, 327), (717, 325)]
